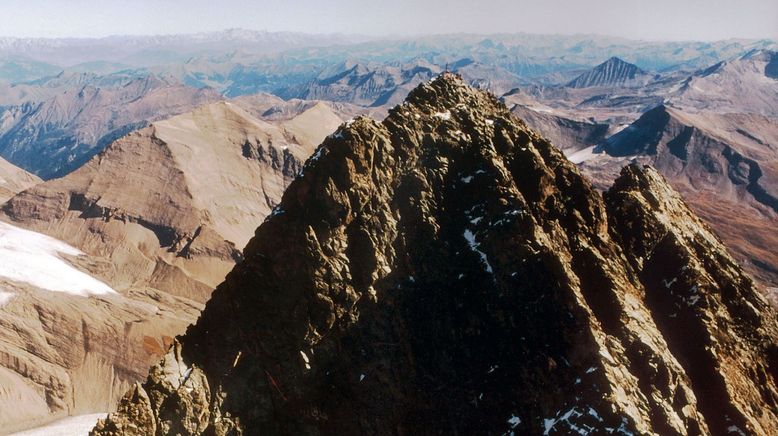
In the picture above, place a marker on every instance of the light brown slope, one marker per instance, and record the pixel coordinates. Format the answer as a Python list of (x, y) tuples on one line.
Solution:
[(66, 355), (172, 205), (14, 180), (165, 208)]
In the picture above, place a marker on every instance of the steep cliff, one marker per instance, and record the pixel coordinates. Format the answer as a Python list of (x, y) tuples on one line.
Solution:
[(449, 271)]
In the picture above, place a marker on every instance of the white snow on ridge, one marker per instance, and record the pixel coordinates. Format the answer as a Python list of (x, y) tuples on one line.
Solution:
[(582, 155), (72, 426), (5, 297), (33, 258), (443, 115)]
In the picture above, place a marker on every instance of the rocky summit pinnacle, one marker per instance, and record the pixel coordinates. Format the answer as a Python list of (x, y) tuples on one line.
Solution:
[(448, 271)]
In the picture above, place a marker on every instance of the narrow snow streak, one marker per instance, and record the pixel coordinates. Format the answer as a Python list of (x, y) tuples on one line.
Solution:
[(470, 237), (33, 258)]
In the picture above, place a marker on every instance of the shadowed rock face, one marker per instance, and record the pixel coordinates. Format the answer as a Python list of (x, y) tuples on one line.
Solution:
[(449, 271)]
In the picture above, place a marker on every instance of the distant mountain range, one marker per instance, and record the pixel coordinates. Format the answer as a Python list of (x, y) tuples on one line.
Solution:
[(73, 117), (243, 58)]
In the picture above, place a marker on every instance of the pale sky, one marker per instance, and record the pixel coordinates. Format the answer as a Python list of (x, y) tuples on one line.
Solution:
[(640, 19)]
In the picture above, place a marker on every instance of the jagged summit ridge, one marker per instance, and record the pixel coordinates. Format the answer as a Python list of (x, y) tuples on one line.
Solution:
[(612, 72), (448, 270)]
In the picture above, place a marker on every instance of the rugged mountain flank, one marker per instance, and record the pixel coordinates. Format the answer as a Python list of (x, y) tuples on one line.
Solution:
[(375, 84), (210, 177), (723, 164), (449, 271), (748, 84), (569, 135), (53, 137), (63, 354)]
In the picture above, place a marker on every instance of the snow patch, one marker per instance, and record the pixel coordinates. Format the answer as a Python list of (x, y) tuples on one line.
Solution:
[(305, 359), (443, 115), (549, 424), (33, 258), (470, 237), (72, 426), (670, 283), (5, 297), (514, 421), (582, 155)]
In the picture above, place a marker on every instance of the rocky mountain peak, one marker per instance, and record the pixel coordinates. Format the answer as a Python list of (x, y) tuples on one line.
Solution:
[(612, 72), (448, 270)]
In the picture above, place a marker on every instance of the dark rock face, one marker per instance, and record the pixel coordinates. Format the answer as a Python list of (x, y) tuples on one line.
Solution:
[(449, 271)]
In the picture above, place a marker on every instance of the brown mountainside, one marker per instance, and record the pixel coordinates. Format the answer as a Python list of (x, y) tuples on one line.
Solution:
[(161, 216), (210, 177)]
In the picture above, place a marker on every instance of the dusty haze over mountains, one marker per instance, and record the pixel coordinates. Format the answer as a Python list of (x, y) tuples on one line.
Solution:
[(657, 20), (389, 217)]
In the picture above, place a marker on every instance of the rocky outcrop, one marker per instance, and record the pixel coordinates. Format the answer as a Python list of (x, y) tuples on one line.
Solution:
[(713, 317), (448, 271)]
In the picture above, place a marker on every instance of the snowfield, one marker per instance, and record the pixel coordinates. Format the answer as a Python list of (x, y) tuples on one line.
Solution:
[(33, 258), (582, 155), (73, 426)]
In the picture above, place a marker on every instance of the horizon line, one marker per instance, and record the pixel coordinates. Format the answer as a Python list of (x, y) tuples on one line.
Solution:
[(379, 37)]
